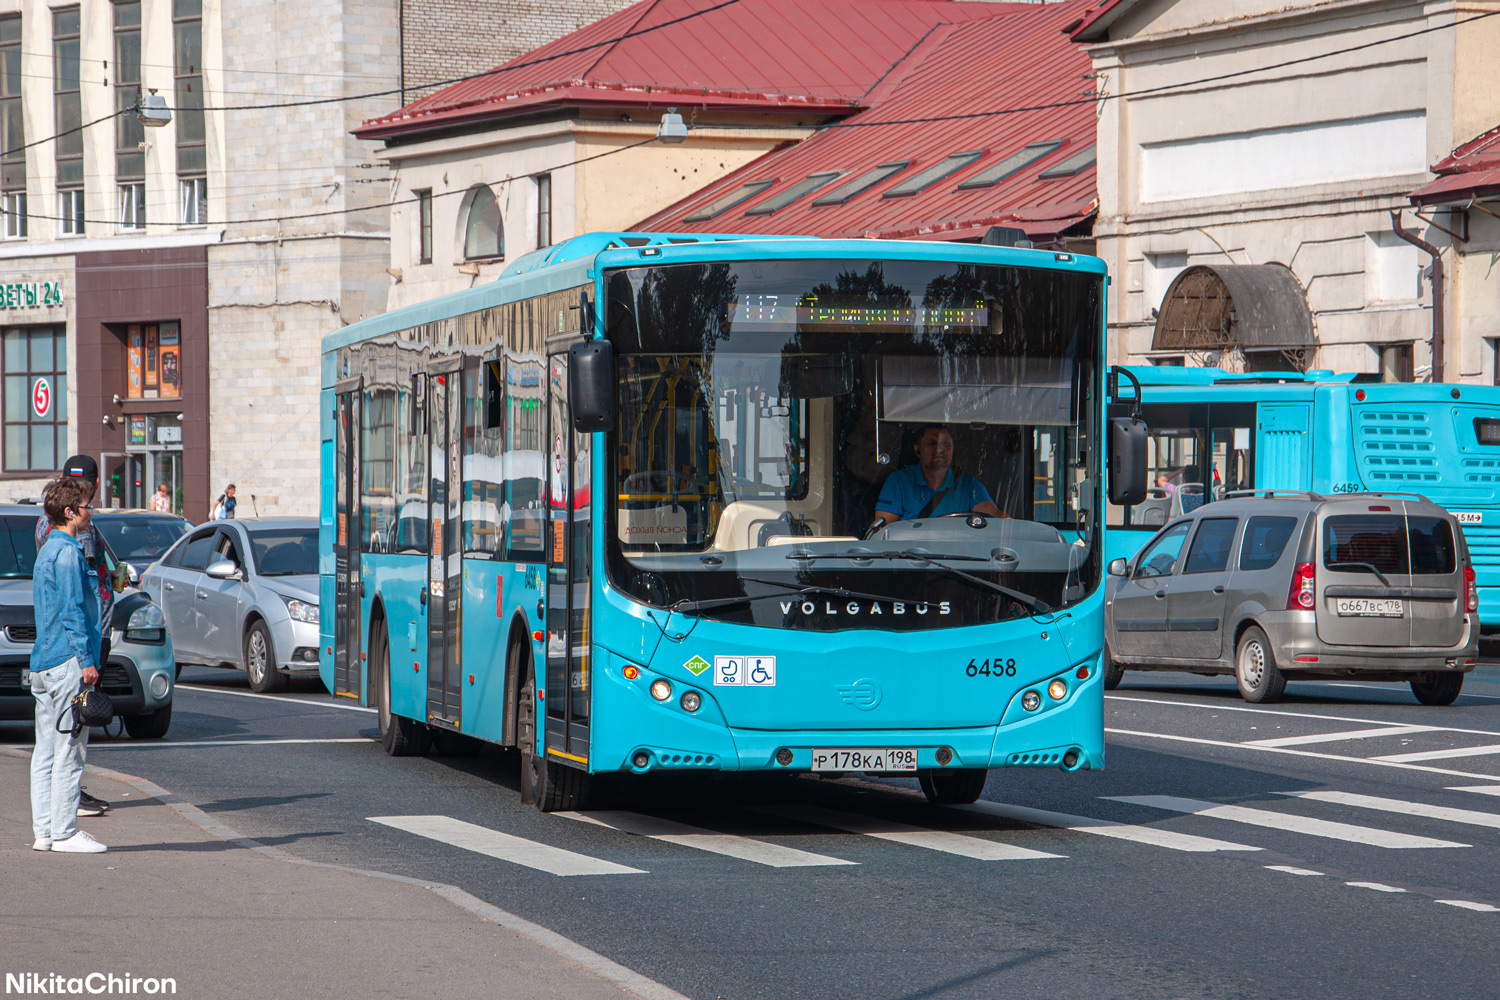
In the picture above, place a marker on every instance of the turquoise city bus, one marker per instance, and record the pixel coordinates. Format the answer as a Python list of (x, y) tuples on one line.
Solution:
[(616, 509), (1212, 432)]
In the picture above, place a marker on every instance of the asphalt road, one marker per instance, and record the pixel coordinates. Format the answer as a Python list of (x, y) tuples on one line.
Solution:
[(1377, 878)]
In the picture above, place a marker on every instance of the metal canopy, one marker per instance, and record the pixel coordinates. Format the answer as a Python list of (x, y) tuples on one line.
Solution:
[(1245, 306)]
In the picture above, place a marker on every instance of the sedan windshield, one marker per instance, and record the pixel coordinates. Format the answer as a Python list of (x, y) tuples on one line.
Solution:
[(17, 547), (285, 551), (834, 444), (142, 538)]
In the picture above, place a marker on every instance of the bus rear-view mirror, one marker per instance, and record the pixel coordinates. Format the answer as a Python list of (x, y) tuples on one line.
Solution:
[(1127, 461), (591, 385)]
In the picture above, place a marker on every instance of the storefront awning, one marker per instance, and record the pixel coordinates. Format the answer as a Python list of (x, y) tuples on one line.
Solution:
[(1246, 306)]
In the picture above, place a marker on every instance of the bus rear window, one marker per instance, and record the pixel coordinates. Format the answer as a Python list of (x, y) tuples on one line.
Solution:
[(1389, 543)]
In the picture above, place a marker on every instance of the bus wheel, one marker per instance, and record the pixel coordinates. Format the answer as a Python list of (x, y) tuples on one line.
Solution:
[(1255, 668), (400, 736), (1437, 689), (553, 787), (1114, 671), (957, 787)]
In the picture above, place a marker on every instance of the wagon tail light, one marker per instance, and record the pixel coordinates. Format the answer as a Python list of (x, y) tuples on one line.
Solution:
[(1301, 597), (1471, 592)]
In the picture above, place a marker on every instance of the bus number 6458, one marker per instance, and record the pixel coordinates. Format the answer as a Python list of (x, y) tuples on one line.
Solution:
[(991, 668)]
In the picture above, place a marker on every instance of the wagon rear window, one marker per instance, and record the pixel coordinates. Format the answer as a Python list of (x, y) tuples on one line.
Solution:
[(1389, 543)]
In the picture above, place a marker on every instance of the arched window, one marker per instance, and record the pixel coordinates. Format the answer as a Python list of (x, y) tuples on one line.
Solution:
[(482, 236)]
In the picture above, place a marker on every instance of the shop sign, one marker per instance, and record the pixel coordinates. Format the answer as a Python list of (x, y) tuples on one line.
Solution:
[(137, 430), (168, 435), (30, 294), (41, 398)]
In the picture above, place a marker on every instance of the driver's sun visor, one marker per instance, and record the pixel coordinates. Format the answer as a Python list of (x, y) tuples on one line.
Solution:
[(970, 390)]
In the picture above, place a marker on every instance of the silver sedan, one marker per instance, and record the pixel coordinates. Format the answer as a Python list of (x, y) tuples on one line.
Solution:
[(243, 593)]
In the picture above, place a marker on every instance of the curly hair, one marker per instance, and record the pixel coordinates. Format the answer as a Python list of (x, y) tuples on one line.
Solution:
[(63, 494)]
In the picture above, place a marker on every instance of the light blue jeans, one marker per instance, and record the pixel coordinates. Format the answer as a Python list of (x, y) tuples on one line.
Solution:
[(57, 761)]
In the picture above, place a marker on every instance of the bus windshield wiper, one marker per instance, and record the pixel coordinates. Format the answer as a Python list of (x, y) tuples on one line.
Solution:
[(1036, 605), (686, 606), (1359, 565)]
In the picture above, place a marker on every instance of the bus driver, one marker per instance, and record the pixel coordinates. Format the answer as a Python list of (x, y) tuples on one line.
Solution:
[(931, 488)]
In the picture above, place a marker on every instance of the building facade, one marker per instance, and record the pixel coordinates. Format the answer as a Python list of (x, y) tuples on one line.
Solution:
[(1241, 133)]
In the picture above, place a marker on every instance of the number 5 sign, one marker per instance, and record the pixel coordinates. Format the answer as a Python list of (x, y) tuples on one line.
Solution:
[(41, 397)]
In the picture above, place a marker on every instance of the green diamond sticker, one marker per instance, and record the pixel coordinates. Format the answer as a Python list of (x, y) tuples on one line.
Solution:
[(697, 665)]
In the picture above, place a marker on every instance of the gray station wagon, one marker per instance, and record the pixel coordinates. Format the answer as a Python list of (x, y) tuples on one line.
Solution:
[(1287, 585)]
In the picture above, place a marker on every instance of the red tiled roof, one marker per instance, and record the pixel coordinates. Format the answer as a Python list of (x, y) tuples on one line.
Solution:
[(1096, 21), (1470, 171), (790, 55), (1016, 58)]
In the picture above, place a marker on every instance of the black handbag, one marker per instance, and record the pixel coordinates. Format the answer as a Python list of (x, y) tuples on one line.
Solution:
[(89, 708)]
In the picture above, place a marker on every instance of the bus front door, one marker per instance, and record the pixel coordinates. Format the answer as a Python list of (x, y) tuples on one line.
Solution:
[(569, 565), (346, 587), (445, 557)]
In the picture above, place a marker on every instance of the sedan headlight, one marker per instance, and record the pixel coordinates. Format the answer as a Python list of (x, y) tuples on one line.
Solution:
[(301, 611), (146, 624)]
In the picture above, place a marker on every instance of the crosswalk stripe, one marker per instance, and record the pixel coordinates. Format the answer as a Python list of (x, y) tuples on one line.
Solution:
[(1292, 871), (1481, 789), (1285, 821), (1411, 758), (1377, 886), (517, 850), (1469, 905), (1352, 734), (1107, 828), (961, 844), (1469, 816), (672, 832)]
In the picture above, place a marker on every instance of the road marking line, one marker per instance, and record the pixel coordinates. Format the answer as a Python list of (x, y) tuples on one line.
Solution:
[(516, 850), (1377, 886), (671, 832), (1469, 816), (961, 844), (1412, 758), (1467, 905), (1292, 871), (1353, 734), (1289, 715), (1481, 789), (284, 699), (1379, 687), (165, 745), (1107, 828), (1374, 761), (1288, 822)]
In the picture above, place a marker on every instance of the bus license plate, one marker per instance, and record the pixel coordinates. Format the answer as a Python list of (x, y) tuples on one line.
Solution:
[(1364, 607), (864, 760)]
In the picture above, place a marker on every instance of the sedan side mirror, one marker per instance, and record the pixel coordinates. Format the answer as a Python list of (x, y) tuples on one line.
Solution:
[(133, 575), (223, 569), (1118, 567)]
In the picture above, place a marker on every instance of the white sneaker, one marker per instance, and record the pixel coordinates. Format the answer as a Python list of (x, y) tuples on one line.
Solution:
[(79, 843), (42, 844)]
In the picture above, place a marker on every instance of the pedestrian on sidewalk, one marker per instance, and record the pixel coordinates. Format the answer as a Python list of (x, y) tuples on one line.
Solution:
[(161, 502), (224, 506), (64, 658)]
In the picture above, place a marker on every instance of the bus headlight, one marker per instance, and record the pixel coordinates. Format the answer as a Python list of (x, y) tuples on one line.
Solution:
[(661, 689), (1031, 701), (146, 624), (691, 701), (301, 611), (1058, 689)]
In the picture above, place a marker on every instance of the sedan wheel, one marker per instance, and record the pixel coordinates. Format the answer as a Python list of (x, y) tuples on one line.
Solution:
[(260, 660), (1255, 668)]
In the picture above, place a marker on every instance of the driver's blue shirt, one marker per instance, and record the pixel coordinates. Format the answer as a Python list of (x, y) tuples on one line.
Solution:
[(906, 492)]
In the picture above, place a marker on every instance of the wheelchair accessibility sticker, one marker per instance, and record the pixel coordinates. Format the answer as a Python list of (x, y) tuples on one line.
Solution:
[(744, 671)]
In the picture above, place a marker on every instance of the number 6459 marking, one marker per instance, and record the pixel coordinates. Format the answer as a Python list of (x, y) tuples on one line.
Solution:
[(991, 668)]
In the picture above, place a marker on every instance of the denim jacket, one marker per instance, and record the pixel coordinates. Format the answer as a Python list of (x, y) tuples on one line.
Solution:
[(67, 612)]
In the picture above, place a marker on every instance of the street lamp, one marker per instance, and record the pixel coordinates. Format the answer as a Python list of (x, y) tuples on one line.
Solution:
[(671, 130), (152, 110)]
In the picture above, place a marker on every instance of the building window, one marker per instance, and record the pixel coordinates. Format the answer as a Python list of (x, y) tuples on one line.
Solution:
[(482, 236), (544, 210), (36, 398), (194, 201), (132, 206), (70, 212), (130, 135), (153, 361), (12, 130), (424, 227), (1396, 364), (68, 108), (187, 61)]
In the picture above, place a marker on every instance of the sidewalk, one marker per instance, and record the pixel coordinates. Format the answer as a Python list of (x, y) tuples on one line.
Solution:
[(228, 918)]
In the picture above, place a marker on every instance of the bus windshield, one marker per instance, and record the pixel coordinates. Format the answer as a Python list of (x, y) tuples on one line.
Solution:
[(769, 409)]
